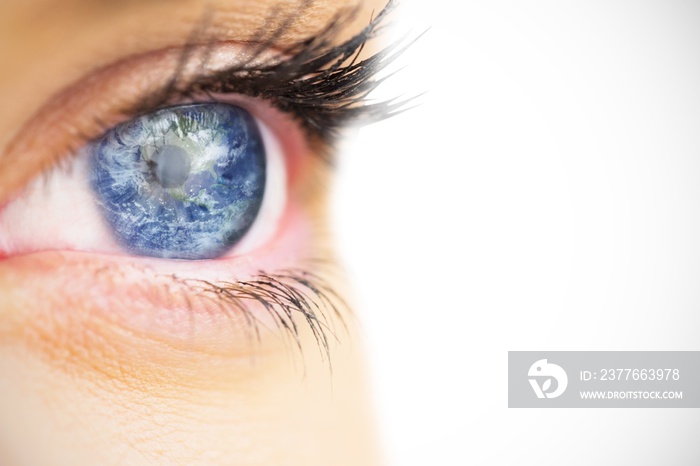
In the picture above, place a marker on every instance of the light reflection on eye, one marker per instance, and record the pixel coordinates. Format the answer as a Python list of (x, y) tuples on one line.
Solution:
[(185, 182)]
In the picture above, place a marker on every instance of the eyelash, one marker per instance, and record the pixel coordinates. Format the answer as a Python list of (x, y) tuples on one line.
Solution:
[(325, 88), (284, 295)]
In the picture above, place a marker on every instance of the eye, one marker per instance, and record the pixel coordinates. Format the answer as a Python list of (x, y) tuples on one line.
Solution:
[(185, 182), (193, 181), (175, 195)]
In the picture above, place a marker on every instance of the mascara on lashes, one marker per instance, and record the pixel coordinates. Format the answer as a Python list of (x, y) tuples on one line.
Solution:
[(324, 86)]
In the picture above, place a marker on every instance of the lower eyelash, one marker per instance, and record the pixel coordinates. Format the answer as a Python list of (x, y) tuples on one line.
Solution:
[(287, 296)]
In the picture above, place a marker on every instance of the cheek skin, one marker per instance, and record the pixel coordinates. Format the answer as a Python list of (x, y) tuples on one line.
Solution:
[(279, 417), (275, 412)]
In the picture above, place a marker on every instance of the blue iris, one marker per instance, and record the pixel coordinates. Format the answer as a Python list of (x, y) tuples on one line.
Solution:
[(184, 182)]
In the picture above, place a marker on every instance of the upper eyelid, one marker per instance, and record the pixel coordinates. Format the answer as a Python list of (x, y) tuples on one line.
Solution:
[(76, 133), (80, 113), (87, 108)]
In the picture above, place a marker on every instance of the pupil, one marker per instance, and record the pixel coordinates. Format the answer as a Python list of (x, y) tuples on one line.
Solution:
[(170, 165)]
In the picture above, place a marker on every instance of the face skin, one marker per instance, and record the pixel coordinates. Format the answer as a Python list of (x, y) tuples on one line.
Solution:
[(104, 358)]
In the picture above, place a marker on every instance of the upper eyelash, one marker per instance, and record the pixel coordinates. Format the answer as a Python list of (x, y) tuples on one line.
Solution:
[(324, 86)]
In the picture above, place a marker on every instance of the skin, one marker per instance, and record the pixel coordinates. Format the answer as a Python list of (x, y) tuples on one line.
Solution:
[(86, 377)]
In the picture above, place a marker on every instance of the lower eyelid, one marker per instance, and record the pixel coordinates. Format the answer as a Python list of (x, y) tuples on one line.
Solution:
[(109, 316)]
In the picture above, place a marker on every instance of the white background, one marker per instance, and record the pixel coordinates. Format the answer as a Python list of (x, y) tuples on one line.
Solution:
[(544, 196)]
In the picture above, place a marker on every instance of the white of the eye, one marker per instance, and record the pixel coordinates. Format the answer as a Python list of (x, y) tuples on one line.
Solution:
[(59, 211), (274, 198), (56, 211)]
